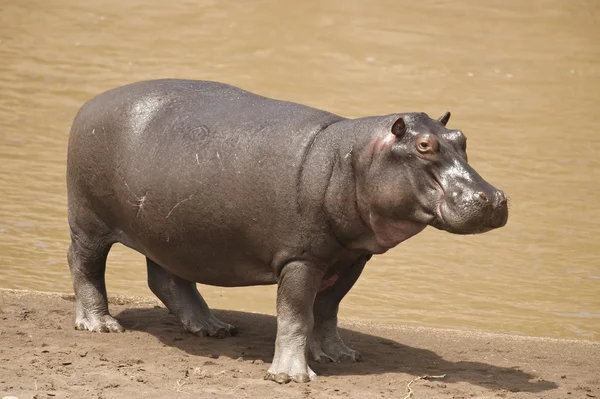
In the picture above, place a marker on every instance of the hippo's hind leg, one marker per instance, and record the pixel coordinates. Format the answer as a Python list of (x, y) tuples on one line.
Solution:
[(325, 343), (87, 262), (182, 298)]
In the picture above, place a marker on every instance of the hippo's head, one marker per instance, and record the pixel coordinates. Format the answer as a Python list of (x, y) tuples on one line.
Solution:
[(417, 175)]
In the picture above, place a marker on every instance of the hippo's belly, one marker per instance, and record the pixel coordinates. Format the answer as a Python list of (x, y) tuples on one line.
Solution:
[(211, 247)]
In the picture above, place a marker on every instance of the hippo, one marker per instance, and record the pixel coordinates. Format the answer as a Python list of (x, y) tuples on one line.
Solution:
[(220, 186)]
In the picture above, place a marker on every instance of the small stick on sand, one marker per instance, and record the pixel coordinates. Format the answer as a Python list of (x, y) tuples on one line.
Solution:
[(409, 394)]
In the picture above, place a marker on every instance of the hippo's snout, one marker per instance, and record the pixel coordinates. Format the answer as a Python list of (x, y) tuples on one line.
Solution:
[(467, 211)]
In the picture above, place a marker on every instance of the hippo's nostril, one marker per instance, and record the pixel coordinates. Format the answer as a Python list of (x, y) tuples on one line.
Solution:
[(501, 198), (482, 196)]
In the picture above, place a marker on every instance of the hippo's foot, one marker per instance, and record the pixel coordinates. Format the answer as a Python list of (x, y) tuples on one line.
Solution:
[(334, 351), (326, 345), (182, 298), (209, 327), (96, 323), (292, 371), (87, 263)]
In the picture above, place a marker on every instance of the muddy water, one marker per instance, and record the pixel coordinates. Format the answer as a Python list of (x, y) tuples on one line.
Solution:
[(521, 78)]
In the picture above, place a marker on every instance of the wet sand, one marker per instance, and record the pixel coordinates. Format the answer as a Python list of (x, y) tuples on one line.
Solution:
[(41, 356)]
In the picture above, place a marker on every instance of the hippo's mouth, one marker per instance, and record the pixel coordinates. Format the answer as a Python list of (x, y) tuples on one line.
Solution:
[(464, 217), (442, 222)]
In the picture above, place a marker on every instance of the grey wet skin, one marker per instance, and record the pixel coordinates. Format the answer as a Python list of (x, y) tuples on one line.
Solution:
[(220, 186)]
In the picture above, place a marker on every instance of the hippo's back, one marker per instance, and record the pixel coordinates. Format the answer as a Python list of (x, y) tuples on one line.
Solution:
[(139, 106)]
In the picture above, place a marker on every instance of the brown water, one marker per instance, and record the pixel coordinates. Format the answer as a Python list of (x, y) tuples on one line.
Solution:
[(522, 79)]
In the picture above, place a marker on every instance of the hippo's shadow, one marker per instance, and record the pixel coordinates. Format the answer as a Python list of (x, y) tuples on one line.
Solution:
[(257, 338)]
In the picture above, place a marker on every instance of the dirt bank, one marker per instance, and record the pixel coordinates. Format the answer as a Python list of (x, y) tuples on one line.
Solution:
[(42, 356)]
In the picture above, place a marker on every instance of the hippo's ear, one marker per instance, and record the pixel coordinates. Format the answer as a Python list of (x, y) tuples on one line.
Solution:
[(399, 128), (444, 118)]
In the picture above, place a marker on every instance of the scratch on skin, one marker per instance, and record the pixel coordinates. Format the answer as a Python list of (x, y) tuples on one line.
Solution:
[(140, 204), (140, 201), (179, 203), (105, 141), (349, 154)]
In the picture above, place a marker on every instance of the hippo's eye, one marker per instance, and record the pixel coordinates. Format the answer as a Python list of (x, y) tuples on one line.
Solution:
[(426, 143)]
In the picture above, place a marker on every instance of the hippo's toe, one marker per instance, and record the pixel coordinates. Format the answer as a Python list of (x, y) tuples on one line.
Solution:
[(104, 324), (280, 378), (351, 356), (323, 358), (284, 378)]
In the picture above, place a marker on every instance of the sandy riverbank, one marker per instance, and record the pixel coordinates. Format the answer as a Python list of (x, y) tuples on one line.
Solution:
[(42, 356)]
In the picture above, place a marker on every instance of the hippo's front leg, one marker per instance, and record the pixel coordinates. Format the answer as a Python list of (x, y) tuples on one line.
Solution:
[(298, 285), (325, 342)]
